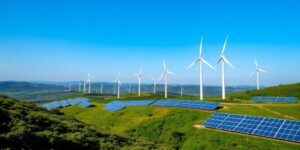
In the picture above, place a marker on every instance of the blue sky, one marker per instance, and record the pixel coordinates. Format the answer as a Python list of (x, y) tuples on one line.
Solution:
[(63, 40)]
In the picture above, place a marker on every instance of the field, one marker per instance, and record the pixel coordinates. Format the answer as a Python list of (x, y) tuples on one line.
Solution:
[(174, 128)]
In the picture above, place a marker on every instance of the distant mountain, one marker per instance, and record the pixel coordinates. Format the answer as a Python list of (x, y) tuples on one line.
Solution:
[(12, 86), (288, 90)]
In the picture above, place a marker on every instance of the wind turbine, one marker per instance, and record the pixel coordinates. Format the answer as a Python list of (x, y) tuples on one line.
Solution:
[(164, 75), (257, 71), (118, 82), (84, 86), (139, 76), (154, 84), (70, 86), (129, 88), (89, 79), (181, 90), (201, 60), (224, 60), (79, 86), (101, 88)]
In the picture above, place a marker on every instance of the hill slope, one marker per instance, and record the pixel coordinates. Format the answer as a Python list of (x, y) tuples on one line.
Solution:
[(289, 90), (23, 125)]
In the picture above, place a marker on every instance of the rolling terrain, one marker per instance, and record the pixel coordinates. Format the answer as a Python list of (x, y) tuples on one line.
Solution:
[(156, 127)]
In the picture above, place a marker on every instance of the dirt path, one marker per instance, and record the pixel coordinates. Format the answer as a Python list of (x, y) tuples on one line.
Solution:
[(275, 112)]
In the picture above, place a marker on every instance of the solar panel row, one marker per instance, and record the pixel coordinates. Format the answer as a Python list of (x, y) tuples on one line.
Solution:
[(288, 130), (65, 103), (188, 104), (275, 99), (117, 105)]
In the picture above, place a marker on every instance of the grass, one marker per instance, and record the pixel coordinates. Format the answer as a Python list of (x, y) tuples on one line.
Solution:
[(174, 126)]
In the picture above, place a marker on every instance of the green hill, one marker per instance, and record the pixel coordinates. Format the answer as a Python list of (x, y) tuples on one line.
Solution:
[(23, 125), (174, 127), (289, 90)]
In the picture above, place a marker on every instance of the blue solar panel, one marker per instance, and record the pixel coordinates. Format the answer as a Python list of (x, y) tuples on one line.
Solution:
[(288, 130), (275, 99), (56, 104), (85, 104), (48, 106), (117, 105), (64, 103), (188, 104)]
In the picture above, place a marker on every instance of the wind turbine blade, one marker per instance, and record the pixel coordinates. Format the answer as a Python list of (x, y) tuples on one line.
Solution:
[(194, 62), (255, 61), (224, 46), (252, 74), (162, 75), (219, 60), (209, 65), (200, 49), (261, 70), (164, 63), (140, 70), (171, 73), (225, 59)]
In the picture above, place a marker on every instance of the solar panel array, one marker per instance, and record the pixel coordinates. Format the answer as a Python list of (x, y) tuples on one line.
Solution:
[(288, 130), (188, 104), (84, 102), (275, 99), (117, 105)]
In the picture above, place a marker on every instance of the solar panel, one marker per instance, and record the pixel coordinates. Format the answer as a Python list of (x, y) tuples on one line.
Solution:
[(117, 105), (64, 103), (282, 129), (188, 104), (85, 104), (275, 99), (48, 106), (73, 101), (56, 104)]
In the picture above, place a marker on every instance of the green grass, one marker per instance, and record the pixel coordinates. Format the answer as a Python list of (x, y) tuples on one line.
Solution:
[(289, 90), (174, 126)]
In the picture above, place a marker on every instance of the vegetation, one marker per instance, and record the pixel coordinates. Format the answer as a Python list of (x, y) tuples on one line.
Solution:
[(289, 90), (174, 128), (23, 125)]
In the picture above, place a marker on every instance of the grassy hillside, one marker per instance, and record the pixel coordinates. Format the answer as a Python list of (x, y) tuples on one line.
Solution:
[(23, 125), (174, 126), (281, 90)]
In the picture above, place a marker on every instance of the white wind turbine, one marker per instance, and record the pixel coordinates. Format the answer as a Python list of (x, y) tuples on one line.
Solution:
[(224, 60), (257, 71), (70, 86), (84, 86), (164, 75), (139, 76), (181, 90), (89, 79), (118, 82), (129, 88), (154, 84), (101, 88), (79, 86), (201, 61)]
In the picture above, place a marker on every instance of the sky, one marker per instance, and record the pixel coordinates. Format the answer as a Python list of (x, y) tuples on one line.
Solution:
[(54, 40)]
